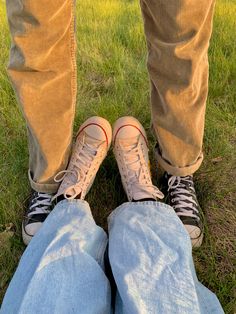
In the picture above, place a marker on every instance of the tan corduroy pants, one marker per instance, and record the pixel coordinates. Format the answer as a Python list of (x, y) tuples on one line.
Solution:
[(42, 68)]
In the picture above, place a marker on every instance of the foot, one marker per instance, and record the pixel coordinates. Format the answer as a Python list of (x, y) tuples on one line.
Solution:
[(182, 197), (40, 205), (92, 144), (130, 147)]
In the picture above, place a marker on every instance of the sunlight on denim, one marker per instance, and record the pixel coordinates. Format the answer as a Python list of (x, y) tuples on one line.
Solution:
[(62, 270)]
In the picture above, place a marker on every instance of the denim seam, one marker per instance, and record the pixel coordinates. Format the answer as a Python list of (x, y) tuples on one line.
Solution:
[(133, 204), (101, 251), (205, 301), (74, 201)]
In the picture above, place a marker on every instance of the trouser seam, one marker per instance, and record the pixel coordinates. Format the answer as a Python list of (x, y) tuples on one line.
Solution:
[(73, 58)]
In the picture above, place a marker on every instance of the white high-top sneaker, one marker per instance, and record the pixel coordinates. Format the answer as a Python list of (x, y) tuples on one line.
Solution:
[(130, 147), (92, 144)]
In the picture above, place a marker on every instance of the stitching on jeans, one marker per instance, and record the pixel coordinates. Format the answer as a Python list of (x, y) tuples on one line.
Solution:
[(73, 58), (133, 204), (73, 201)]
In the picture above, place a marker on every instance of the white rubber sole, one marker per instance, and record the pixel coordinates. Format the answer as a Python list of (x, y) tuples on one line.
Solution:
[(26, 237), (196, 235)]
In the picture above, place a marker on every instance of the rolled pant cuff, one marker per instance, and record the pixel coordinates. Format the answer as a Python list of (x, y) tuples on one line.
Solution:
[(178, 171), (43, 187)]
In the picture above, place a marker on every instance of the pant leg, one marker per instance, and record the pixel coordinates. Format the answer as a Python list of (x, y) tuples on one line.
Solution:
[(151, 259), (62, 269), (178, 34), (42, 69)]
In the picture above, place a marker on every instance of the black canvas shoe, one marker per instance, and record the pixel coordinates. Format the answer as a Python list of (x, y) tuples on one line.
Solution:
[(181, 195), (40, 205)]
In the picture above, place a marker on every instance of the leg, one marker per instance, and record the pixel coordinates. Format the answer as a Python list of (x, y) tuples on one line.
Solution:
[(150, 251), (62, 270), (43, 72), (91, 146), (178, 34), (151, 259)]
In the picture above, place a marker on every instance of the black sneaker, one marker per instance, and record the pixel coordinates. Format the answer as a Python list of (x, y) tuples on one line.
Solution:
[(40, 205), (181, 195)]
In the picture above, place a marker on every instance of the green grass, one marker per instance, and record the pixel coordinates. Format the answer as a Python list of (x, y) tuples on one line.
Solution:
[(113, 81)]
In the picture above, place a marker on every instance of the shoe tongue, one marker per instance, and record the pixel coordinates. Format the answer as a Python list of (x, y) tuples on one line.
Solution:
[(73, 191), (130, 142), (93, 139), (92, 145), (139, 194)]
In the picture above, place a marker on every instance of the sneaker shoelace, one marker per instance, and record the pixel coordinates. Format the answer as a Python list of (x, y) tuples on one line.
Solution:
[(40, 204), (138, 179), (183, 195), (82, 162)]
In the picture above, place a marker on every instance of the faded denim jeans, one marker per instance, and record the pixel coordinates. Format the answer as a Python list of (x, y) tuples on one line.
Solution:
[(62, 270)]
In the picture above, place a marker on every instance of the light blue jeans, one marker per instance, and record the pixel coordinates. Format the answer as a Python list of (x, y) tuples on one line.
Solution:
[(62, 270)]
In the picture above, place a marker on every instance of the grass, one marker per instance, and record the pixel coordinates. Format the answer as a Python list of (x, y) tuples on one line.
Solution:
[(113, 81)]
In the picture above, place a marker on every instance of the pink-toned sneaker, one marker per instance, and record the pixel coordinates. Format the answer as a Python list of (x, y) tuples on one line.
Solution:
[(131, 151), (92, 144)]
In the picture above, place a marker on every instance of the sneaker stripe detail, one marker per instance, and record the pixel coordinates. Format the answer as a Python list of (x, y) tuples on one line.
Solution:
[(96, 125), (124, 125)]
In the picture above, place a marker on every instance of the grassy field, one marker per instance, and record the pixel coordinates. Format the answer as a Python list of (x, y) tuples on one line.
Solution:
[(113, 81)]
